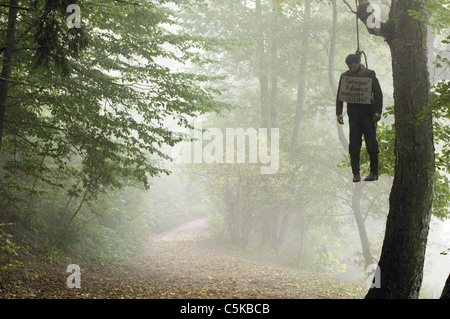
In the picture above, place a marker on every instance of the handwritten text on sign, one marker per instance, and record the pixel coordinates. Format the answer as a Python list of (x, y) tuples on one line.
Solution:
[(356, 90)]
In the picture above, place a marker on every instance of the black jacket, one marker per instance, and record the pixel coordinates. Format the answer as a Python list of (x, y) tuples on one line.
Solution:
[(377, 94)]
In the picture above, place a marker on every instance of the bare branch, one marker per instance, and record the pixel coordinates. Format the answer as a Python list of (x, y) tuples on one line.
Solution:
[(348, 5)]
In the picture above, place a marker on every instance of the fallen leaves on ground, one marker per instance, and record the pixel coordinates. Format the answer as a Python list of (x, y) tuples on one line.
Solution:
[(174, 265)]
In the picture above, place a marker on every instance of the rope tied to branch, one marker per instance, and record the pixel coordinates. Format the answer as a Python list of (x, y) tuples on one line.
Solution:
[(358, 50)]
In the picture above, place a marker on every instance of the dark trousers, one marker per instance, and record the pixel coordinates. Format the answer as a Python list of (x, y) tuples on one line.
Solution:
[(361, 123)]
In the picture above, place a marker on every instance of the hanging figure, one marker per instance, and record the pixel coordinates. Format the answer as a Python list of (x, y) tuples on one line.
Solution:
[(360, 89)]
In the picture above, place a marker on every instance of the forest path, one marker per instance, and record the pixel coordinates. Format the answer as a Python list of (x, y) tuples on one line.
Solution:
[(177, 264)]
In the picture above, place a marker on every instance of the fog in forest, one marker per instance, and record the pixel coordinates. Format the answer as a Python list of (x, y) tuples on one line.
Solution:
[(270, 172), (312, 188)]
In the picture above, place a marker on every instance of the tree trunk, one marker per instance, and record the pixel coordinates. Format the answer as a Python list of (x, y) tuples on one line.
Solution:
[(33, 189), (265, 97), (284, 228), (7, 61), (358, 187), (274, 61), (332, 49), (431, 57), (446, 290), (299, 110), (80, 205), (63, 215), (302, 236), (403, 253), (265, 102), (273, 102), (356, 206), (262, 72), (331, 57)]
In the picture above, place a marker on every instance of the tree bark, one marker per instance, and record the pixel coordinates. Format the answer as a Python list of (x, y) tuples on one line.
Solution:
[(262, 72), (80, 205), (299, 110), (265, 89), (274, 61), (332, 49), (403, 253), (446, 290), (356, 206), (340, 129), (284, 228), (33, 189), (7, 61), (63, 215)]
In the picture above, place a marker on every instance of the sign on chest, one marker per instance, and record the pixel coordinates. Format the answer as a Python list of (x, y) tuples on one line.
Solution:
[(356, 90)]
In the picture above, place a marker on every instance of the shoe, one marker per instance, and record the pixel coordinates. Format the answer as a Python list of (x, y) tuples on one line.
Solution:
[(371, 177), (356, 178)]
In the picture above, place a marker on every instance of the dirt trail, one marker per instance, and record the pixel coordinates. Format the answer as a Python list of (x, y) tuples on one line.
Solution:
[(177, 264), (182, 267), (188, 232)]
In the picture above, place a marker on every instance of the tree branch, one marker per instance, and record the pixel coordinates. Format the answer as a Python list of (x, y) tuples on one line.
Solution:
[(376, 27), (13, 6), (80, 205), (349, 7)]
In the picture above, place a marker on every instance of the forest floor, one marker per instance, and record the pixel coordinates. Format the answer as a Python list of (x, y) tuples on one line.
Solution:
[(175, 264)]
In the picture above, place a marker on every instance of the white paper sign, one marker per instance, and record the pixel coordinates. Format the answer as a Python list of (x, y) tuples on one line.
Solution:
[(356, 90)]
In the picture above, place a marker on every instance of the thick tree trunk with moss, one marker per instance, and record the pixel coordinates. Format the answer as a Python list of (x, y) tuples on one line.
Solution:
[(403, 253)]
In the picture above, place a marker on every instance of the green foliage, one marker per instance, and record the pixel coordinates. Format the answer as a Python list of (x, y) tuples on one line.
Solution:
[(56, 43), (7, 244), (10, 250), (108, 113), (438, 105), (86, 124), (86, 115), (437, 14), (324, 262), (439, 108)]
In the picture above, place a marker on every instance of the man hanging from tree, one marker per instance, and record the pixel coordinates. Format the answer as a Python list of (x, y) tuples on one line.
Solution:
[(363, 114)]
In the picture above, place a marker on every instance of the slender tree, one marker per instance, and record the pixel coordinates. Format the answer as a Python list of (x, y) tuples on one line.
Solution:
[(301, 90), (357, 190)]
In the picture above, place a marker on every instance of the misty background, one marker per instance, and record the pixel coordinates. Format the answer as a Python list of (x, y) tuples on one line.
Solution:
[(274, 64), (313, 183)]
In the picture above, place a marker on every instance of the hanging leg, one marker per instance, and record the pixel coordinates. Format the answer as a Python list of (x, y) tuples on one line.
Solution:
[(370, 137), (355, 143)]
